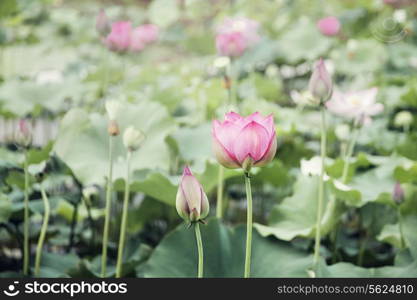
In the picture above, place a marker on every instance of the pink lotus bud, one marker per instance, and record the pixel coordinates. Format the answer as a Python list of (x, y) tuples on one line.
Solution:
[(358, 106), (398, 193), (329, 26), (321, 85), (230, 44), (142, 36), (243, 142), (119, 38), (24, 134), (102, 23), (191, 203)]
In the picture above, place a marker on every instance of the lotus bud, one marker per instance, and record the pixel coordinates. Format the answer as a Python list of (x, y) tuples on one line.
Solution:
[(191, 203), (398, 193), (133, 138), (244, 142), (321, 85), (24, 134), (113, 128), (329, 26), (102, 23), (403, 119)]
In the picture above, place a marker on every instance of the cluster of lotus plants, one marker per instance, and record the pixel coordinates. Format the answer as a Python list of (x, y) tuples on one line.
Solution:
[(208, 139)]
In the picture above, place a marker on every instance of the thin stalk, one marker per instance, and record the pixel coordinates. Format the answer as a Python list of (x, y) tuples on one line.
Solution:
[(200, 250), (321, 189), (26, 219), (124, 219), (362, 251), (43, 231), (108, 210), (248, 226), (72, 228), (220, 178), (400, 223), (349, 153)]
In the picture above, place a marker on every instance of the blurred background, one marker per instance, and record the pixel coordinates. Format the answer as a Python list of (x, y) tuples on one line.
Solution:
[(56, 72)]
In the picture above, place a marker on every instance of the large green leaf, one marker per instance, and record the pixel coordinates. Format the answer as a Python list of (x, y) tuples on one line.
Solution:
[(296, 215), (82, 141), (224, 254), (303, 35)]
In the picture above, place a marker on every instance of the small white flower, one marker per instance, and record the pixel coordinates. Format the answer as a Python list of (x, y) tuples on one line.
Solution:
[(112, 109), (132, 138), (303, 98), (222, 62), (312, 167)]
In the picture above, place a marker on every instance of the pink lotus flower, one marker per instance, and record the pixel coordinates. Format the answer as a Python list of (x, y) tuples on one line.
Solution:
[(358, 106), (191, 203), (235, 35), (230, 44), (119, 38), (243, 142), (142, 36), (320, 85), (102, 23), (329, 26)]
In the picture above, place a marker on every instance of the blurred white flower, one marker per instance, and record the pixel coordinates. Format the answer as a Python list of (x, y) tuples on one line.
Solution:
[(222, 62), (358, 105), (312, 167), (112, 109), (303, 98), (342, 132), (403, 119)]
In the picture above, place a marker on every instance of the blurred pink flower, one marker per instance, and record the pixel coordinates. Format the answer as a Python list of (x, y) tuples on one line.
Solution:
[(243, 142), (235, 35), (329, 26), (142, 36), (230, 44), (123, 37), (320, 84), (359, 106), (191, 203), (119, 38)]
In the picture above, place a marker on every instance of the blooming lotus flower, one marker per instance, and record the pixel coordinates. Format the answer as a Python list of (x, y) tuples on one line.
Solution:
[(329, 26), (235, 35), (230, 44), (358, 106), (142, 36), (320, 85), (191, 203), (119, 38), (102, 23), (243, 142)]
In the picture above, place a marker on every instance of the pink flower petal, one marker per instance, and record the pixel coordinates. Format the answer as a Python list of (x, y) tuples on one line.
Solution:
[(252, 141)]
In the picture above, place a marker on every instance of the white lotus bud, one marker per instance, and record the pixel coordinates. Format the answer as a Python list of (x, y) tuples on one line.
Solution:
[(132, 138)]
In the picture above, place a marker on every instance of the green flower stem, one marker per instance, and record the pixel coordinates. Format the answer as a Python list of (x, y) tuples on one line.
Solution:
[(26, 219), (200, 250), (321, 189), (349, 153), (124, 219), (108, 210), (220, 178), (43, 231), (400, 223), (248, 226)]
